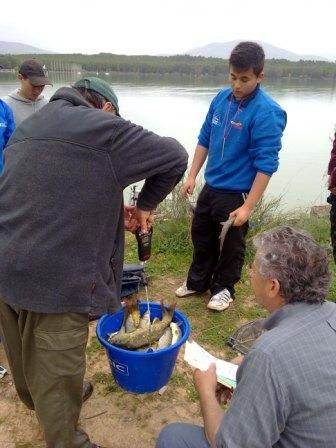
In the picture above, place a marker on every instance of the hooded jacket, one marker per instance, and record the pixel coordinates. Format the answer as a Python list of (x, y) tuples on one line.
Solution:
[(61, 203), (22, 107)]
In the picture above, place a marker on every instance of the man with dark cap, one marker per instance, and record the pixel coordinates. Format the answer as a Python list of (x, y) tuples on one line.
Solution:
[(28, 98), (62, 227)]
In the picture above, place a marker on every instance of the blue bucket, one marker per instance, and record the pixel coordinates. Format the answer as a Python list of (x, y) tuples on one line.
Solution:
[(141, 372)]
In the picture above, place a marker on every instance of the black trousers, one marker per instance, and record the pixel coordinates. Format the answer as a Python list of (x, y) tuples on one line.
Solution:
[(209, 268)]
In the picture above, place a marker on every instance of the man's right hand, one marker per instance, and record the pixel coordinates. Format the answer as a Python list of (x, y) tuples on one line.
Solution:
[(145, 219), (188, 187)]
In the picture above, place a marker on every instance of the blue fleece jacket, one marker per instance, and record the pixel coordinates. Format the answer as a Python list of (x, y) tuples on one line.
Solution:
[(7, 126), (242, 138)]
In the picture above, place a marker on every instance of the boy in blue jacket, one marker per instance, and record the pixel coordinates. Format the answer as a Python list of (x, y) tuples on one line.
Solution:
[(7, 126), (240, 139)]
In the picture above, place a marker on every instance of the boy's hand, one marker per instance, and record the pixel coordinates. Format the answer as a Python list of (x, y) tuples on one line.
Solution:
[(241, 215), (188, 187)]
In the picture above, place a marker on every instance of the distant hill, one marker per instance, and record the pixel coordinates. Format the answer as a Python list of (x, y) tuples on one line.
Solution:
[(223, 50), (19, 48)]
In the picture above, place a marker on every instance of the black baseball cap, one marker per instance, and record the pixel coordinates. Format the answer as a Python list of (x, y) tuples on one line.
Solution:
[(35, 72)]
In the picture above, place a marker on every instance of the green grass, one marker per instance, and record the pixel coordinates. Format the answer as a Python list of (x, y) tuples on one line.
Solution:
[(172, 254), (107, 380), (94, 347), (24, 445)]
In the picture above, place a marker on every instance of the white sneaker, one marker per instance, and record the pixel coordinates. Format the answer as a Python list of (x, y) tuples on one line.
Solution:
[(183, 291), (220, 301)]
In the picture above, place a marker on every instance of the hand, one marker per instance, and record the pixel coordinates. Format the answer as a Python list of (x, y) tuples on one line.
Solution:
[(241, 215), (188, 187), (131, 223), (223, 393), (237, 360), (145, 219), (206, 381)]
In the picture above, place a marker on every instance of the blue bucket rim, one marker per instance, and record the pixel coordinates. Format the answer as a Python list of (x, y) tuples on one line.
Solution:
[(181, 341)]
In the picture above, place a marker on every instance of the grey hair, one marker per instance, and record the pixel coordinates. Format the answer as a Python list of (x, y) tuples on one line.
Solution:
[(296, 260)]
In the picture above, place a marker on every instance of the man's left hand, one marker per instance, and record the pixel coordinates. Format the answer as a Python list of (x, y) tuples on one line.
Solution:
[(130, 221)]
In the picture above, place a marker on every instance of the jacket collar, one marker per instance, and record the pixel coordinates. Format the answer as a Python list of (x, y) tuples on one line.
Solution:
[(70, 94), (296, 310), (246, 101)]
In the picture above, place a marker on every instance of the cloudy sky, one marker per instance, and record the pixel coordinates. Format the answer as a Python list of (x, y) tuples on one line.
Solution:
[(170, 26)]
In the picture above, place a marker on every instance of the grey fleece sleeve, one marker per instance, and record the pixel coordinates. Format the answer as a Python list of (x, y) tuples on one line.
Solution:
[(139, 154)]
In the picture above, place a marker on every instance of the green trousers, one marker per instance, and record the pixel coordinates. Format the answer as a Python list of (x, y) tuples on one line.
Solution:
[(46, 355)]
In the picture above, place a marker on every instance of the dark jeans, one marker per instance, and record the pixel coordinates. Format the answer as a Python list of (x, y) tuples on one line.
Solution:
[(209, 268), (182, 435)]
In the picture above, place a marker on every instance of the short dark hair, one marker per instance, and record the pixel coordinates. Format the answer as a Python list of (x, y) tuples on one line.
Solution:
[(94, 98), (247, 55)]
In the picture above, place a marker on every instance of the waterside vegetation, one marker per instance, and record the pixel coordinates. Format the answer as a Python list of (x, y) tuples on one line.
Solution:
[(184, 65)]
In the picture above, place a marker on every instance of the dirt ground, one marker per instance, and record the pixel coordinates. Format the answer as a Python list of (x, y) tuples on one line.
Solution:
[(111, 417)]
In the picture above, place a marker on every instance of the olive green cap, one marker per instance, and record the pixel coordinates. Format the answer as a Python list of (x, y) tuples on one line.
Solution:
[(100, 86)]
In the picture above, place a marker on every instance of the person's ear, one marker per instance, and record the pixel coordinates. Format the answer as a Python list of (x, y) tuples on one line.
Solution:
[(20, 77), (108, 107), (260, 76), (274, 287)]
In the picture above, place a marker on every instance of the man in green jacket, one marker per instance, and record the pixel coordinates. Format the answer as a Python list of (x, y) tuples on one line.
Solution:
[(62, 227)]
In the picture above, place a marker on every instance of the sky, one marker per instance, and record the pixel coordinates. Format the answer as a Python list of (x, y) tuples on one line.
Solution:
[(169, 27)]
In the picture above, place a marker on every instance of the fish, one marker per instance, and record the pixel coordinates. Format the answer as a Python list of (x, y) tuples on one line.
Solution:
[(147, 349), (142, 336), (132, 315), (176, 332), (166, 339), (225, 228), (145, 320)]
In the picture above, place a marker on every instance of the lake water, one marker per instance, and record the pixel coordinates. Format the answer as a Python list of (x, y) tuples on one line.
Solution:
[(177, 108)]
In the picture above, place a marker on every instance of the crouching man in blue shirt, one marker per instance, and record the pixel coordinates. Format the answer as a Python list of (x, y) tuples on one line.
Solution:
[(286, 384), (240, 139)]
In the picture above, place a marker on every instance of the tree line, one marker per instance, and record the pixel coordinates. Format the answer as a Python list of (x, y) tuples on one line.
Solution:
[(166, 65)]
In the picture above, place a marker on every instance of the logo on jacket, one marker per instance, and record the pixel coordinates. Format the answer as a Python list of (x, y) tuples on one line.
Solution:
[(216, 120), (236, 124)]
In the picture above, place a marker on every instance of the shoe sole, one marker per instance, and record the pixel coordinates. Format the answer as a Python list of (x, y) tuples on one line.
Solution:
[(190, 293), (214, 308)]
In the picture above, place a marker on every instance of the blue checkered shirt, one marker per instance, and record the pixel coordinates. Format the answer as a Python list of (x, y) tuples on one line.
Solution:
[(286, 391)]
